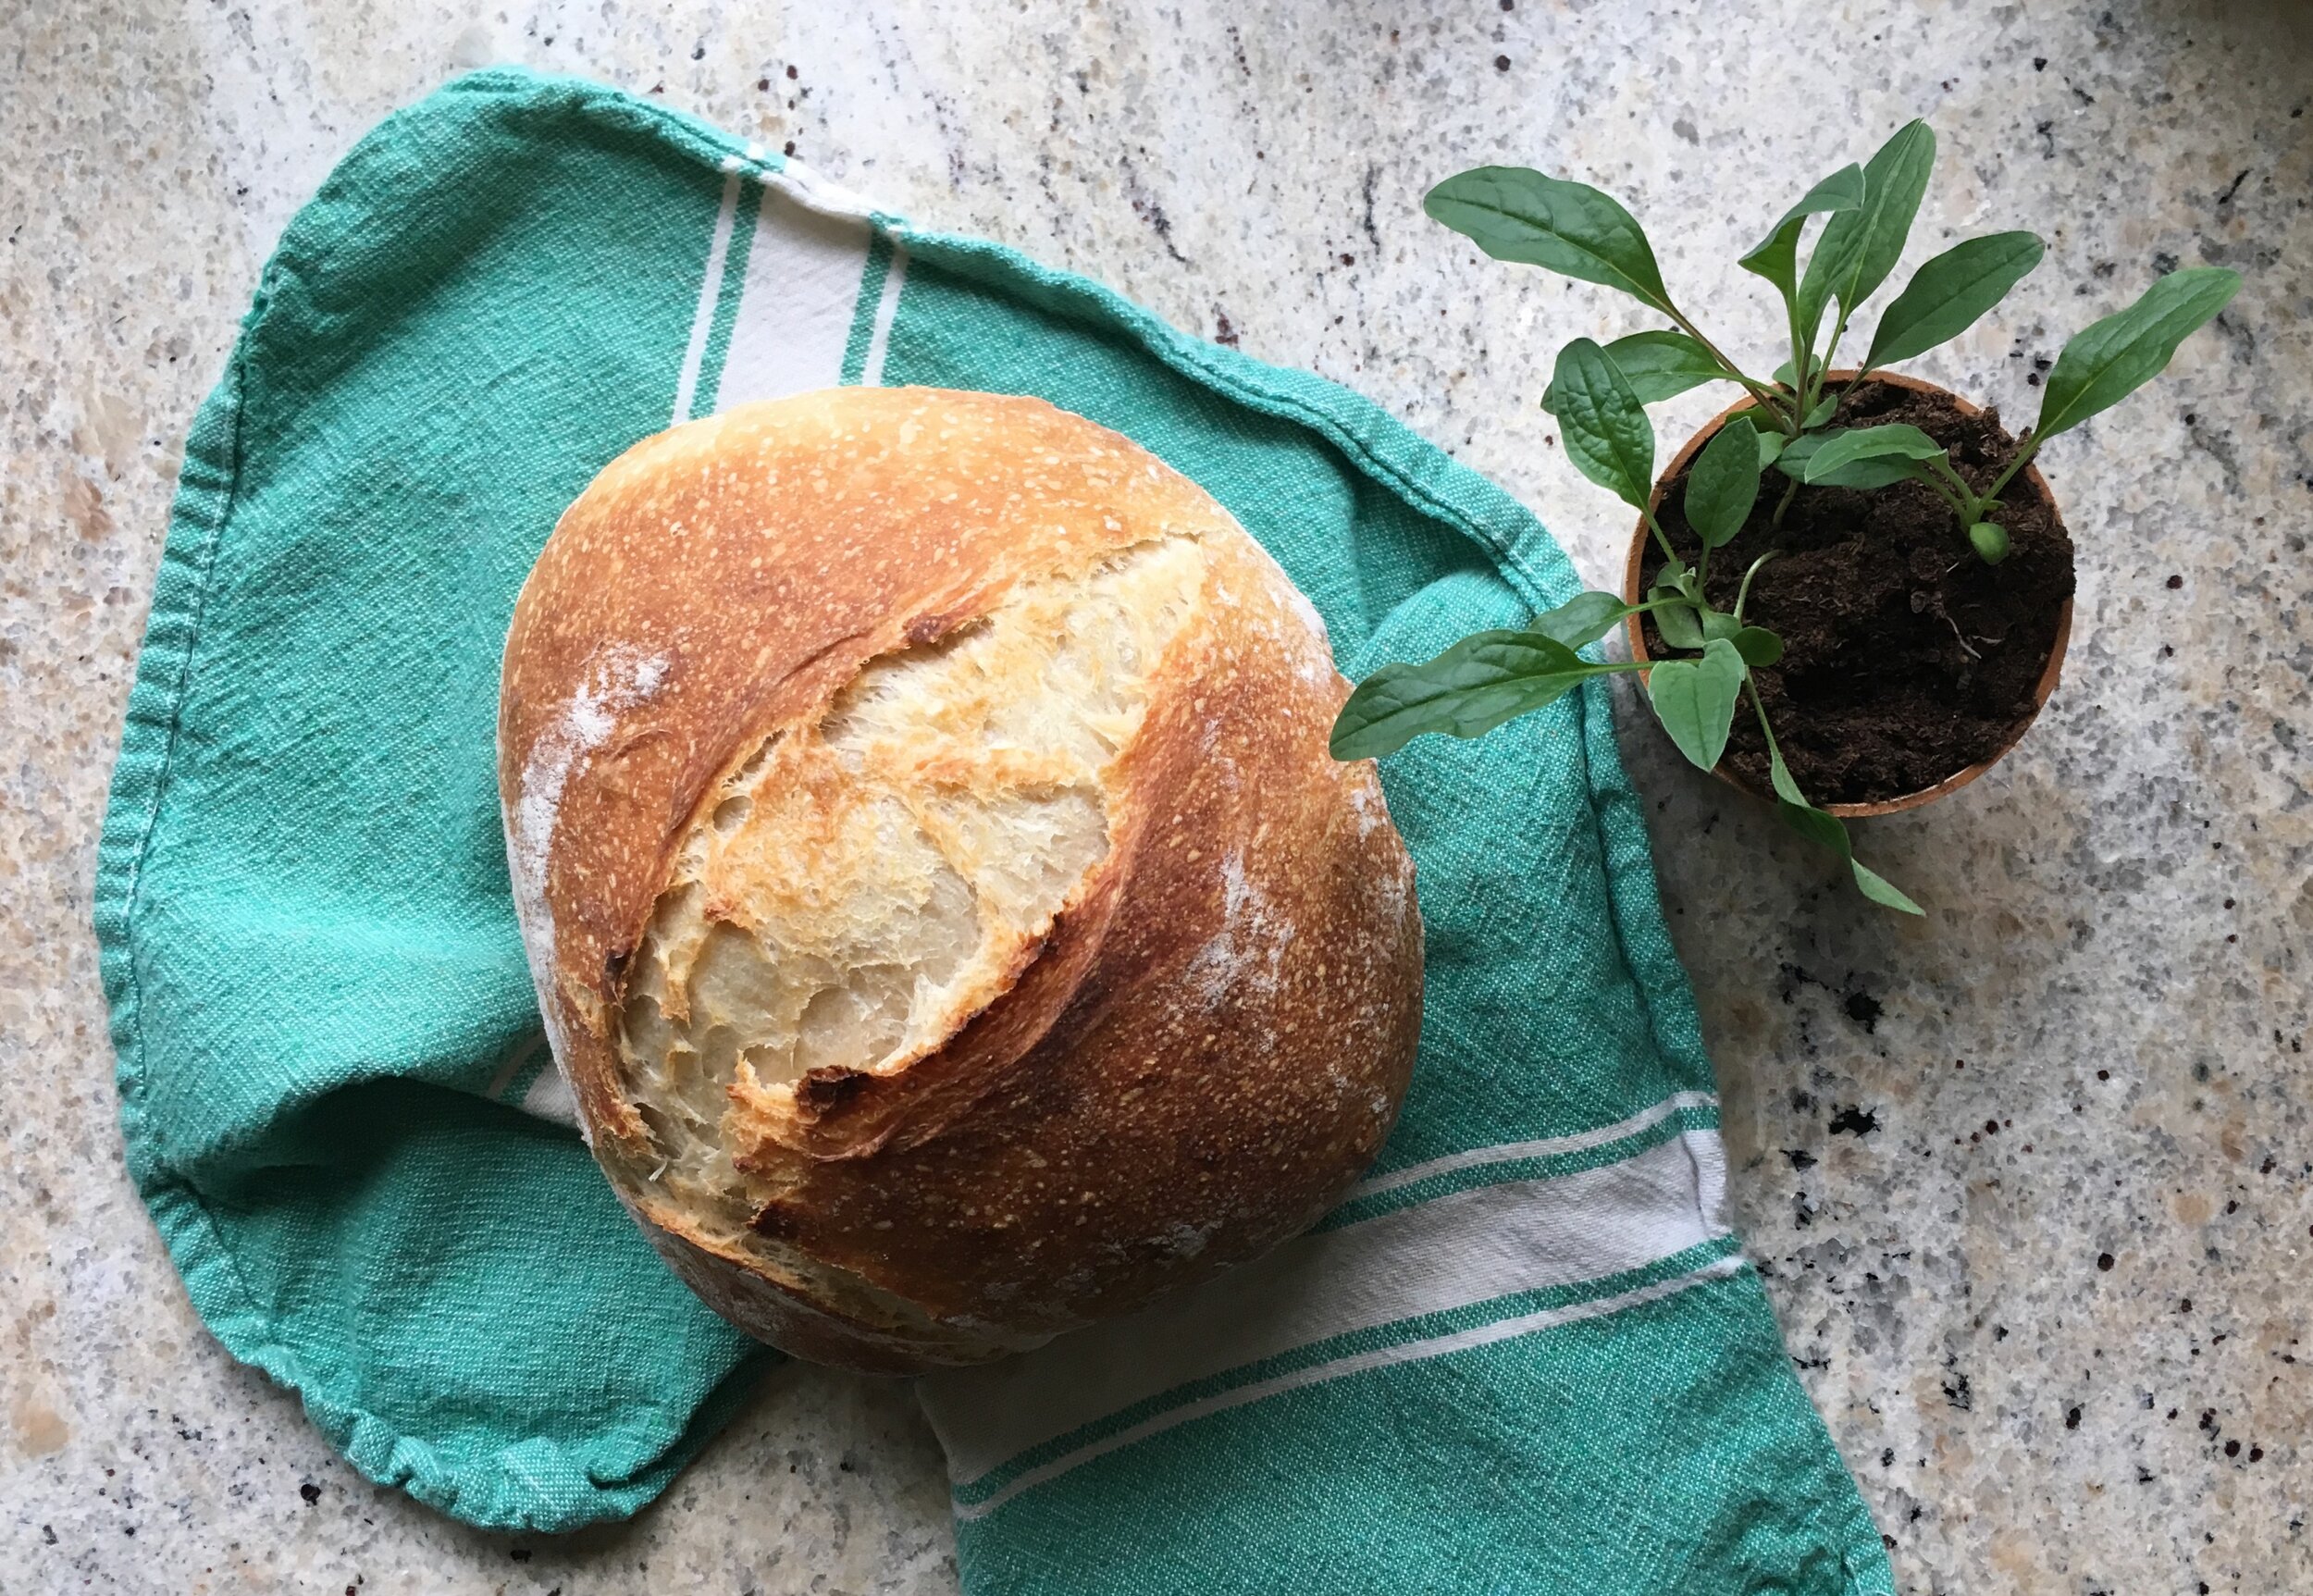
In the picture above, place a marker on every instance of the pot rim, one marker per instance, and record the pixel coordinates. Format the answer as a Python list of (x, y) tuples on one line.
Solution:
[(1635, 629)]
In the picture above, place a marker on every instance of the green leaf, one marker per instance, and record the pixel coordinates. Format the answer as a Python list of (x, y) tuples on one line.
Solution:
[(1724, 483), (2109, 360), (1608, 436), (1776, 255), (1659, 365), (1517, 215), (1770, 445), (1676, 622), (1757, 645), (1990, 541), (1841, 450), (1859, 248), (1581, 619), (1817, 826), (1779, 774), (1719, 623), (1880, 890), (1866, 474), (1946, 296), (1475, 686), (1821, 413), (1695, 699)]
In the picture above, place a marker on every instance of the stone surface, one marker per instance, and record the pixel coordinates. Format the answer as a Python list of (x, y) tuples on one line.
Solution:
[(1986, 1160)]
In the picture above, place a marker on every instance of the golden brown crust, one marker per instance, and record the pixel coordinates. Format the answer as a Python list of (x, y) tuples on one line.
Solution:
[(1211, 1041), (775, 1311)]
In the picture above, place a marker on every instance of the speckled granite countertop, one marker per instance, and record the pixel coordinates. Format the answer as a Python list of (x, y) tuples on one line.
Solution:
[(2031, 1183)]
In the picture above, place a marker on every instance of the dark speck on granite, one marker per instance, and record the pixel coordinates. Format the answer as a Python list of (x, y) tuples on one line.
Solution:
[(1854, 1121)]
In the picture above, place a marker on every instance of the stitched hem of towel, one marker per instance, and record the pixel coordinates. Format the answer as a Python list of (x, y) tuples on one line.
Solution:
[(490, 1495)]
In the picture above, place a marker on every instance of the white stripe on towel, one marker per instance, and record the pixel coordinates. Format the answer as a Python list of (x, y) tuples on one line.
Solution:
[(886, 307), (796, 302), (1509, 1152), (1381, 1358), (1451, 1251), (709, 293)]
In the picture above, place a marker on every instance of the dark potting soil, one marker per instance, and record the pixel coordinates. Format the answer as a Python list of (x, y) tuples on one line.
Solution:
[(1906, 658)]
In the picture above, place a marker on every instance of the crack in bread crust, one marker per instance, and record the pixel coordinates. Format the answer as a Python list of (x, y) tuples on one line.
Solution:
[(951, 804)]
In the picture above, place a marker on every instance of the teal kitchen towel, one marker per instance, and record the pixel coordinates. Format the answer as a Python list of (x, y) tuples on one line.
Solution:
[(1524, 1356)]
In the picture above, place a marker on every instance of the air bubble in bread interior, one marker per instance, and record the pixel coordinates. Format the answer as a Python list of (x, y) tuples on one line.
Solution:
[(854, 891)]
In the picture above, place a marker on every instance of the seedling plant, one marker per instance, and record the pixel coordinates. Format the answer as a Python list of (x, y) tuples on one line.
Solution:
[(1599, 393)]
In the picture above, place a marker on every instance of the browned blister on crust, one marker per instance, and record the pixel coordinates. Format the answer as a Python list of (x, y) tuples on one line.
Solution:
[(945, 909)]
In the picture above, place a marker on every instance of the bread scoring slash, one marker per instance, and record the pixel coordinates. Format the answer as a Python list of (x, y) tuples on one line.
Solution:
[(941, 903)]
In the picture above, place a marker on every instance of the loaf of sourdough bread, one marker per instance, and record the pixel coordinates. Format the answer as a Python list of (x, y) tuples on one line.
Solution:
[(941, 903)]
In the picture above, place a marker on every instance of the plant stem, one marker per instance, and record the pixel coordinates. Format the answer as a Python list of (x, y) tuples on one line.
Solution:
[(1789, 494), (1775, 749), (1838, 333), (1671, 560), (1742, 594), (1662, 538), (2023, 457), (1800, 358), (1759, 391), (1765, 730), (1954, 488)]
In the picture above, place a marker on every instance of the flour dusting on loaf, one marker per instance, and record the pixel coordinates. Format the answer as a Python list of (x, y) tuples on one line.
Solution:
[(947, 913), (617, 681)]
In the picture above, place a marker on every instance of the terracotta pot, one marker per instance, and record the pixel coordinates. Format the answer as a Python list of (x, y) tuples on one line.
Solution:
[(1950, 784)]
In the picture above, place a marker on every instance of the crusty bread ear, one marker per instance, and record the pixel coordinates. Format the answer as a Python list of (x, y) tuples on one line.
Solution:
[(943, 906)]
